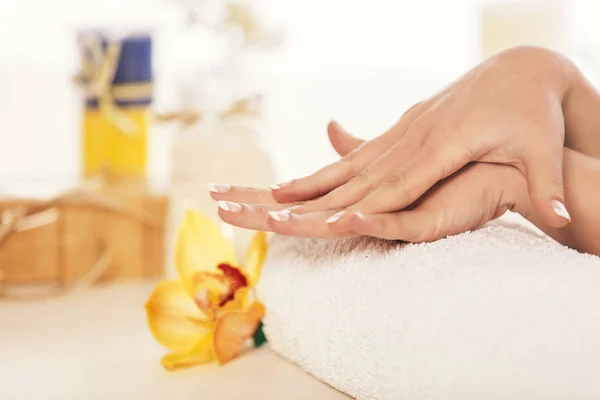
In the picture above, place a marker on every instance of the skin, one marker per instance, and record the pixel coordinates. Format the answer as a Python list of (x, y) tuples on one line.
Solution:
[(477, 194), (472, 193), (507, 110), (582, 119)]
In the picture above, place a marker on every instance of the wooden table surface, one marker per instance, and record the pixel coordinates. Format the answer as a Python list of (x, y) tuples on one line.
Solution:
[(95, 345)]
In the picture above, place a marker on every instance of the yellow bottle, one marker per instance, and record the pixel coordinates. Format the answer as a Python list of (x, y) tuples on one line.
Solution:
[(117, 78)]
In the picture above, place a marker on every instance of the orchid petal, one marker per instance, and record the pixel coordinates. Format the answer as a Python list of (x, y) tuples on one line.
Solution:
[(200, 246), (201, 353), (255, 257), (233, 329), (174, 319)]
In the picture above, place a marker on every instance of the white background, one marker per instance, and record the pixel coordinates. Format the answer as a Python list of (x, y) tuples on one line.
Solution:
[(361, 62)]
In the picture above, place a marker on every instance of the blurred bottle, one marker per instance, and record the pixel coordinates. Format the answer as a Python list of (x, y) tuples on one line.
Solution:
[(116, 76), (223, 149)]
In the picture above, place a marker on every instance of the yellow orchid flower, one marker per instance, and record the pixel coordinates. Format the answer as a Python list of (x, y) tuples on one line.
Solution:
[(207, 314)]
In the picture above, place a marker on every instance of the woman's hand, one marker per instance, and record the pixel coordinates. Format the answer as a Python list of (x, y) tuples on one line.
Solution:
[(464, 201), (476, 194), (506, 111)]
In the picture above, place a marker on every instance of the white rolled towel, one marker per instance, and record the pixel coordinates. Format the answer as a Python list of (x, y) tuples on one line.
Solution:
[(501, 312)]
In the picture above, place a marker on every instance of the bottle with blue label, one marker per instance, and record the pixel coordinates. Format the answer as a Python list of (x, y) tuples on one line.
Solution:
[(116, 77)]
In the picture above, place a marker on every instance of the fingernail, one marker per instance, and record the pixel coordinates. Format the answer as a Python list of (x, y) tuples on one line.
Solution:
[(219, 187), (280, 216), (560, 209), (360, 215), (291, 209), (230, 206), (335, 217), (278, 186)]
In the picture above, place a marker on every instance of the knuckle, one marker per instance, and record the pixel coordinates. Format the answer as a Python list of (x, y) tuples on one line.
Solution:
[(452, 155), (396, 184), (447, 130), (315, 188), (260, 209), (349, 158), (328, 202), (414, 106), (363, 179), (417, 128), (349, 164), (396, 181)]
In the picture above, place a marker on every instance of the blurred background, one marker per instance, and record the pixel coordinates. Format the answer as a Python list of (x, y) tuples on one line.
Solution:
[(360, 62), (166, 96), (116, 114)]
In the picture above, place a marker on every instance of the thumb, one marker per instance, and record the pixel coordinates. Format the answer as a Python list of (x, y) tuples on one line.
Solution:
[(545, 183), (342, 141)]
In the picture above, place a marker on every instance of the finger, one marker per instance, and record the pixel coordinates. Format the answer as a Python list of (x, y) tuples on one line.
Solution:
[(545, 184), (312, 225), (273, 218), (240, 194), (342, 141), (338, 173), (332, 175), (248, 216), (430, 165), (410, 226), (368, 179)]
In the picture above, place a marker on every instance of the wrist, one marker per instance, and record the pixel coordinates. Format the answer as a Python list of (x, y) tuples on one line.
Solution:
[(580, 106), (554, 70)]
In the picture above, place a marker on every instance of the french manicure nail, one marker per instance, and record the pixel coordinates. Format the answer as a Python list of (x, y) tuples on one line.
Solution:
[(292, 209), (219, 187), (230, 206), (560, 209), (335, 217), (278, 186), (280, 216)]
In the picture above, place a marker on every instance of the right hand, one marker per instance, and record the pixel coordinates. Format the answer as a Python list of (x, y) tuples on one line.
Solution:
[(507, 110), (476, 194)]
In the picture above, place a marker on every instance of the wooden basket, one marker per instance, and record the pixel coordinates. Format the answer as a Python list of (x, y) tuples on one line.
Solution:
[(64, 250)]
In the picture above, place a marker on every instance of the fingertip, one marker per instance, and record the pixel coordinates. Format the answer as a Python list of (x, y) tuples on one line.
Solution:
[(546, 187), (335, 129), (283, 192), (280, 216), (335, 217), (560, 210), (554, 211), (333, 126), (220, 196), (279, 186), (218, 191), (294, 191), (219, 187)]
